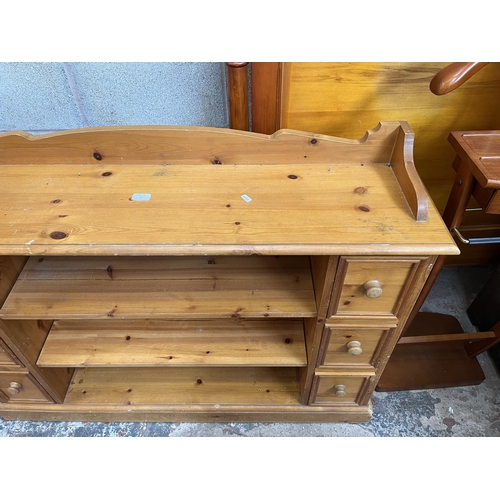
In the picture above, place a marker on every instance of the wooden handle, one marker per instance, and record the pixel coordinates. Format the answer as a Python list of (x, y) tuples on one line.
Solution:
[(453, 75), (373, 289), (15, 388), (354, 348), (339, 391)]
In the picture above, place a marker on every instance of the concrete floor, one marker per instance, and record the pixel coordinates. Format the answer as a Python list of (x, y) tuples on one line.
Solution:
[(463, 411)]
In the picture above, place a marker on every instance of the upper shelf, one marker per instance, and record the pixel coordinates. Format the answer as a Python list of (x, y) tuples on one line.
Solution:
[(192, 190)]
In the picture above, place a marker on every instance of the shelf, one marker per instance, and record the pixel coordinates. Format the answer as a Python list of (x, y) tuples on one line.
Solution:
[(105, 343), (162, 287), (163, 386)]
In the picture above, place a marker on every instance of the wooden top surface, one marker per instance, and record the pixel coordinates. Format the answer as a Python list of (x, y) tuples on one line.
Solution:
[(171, 191), (301, 209), (481, 149)]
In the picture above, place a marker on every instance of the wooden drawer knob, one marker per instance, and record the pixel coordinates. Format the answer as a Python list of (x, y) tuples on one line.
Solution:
[(15, 388), (339, 391), (373, 289), (354, 348)]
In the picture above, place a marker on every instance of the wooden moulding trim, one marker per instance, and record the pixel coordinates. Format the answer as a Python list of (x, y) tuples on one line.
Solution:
[(406, 174), (185, 413), (170, 145), (180, 250), (340, 322), (238, 95)]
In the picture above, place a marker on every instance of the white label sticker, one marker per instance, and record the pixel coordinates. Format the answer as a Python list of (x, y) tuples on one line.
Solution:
[(140, 197), (246, 198)]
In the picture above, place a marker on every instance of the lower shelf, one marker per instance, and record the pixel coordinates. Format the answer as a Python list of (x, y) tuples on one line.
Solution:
[(213, 386), (185, 394)]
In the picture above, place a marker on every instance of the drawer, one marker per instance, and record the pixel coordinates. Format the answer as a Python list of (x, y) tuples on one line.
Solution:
[(6, 359), (17, 386), (337, 389), (358, 346), (370, 285)]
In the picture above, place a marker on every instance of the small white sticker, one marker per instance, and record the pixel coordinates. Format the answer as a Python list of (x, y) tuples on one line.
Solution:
[(140, 197), (246, 198)]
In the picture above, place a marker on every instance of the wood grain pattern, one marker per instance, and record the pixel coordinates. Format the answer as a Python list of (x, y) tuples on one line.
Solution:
[(310, 209), (266, 96), (186, 413), (481, 151), (324, 389), (25, 339), (335, 350), (10, 267), (201, 385), (237, 74), (174, 343), (169, 287), (345, 99), (7, 358), (164, 146), (349, 297), (452, 76), (29, 391), (404, 169), (148, 273)]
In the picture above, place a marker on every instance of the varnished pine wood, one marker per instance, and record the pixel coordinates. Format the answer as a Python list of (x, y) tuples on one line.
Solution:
[(343, 99), (323, 270), (365, 321), (185, 386), (349, 296), (10, 267), (174, 343), (324, 389), (25, 339), (164, 146), (169, 287), (404, 169), (29, 391), (187, 413), (335, 351), (7, 358), (216, 197), (209, 216)]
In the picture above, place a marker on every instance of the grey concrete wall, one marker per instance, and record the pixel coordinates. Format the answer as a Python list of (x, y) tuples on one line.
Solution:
[(46, 97)]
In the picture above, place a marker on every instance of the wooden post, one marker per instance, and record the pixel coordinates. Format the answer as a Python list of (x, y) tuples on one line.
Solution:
[(267, 80), (238, 95)]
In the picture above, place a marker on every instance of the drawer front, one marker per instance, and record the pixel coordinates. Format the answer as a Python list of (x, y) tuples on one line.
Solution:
[(17, 386), (337, 389), (370, 286), (6, 360), (351, 346)]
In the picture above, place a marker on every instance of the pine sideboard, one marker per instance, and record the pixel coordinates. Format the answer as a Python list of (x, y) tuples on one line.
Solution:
[(198, 274)]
